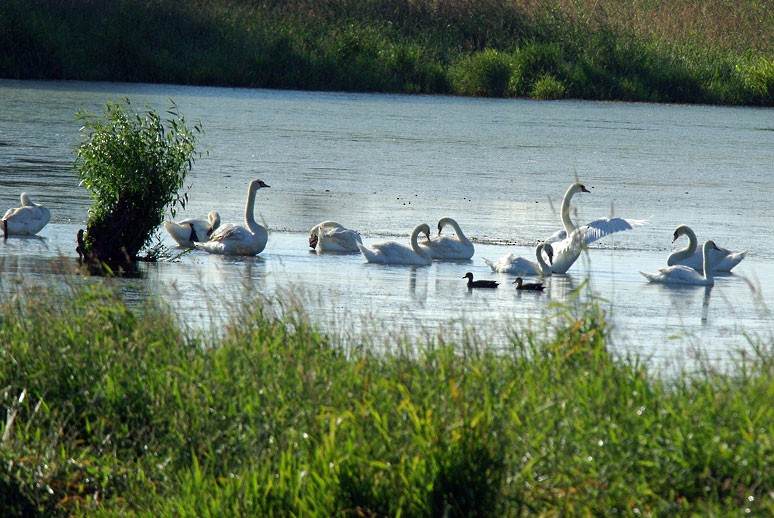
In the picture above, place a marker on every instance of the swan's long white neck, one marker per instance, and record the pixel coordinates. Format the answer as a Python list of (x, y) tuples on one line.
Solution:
[(569, 226), (684, 230), (707, 262), (457, 230), (544, 267), (25, 200), (415, 240)]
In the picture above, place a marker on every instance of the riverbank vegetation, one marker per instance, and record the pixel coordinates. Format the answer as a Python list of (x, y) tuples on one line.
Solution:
[(713, 51), (108, 408)]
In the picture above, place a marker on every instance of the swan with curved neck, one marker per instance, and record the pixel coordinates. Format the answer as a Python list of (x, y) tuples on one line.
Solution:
[(27, 220), (570, 241), (722, 260), (681, 274), (230, 239), (458, 248), (188, 231), (390, 252), (521, 266), (330, 236)]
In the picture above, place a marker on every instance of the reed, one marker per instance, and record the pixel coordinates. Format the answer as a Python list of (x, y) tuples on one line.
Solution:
[(684, 51), (116, 409)]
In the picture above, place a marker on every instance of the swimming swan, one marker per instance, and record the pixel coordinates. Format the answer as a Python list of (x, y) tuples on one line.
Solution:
[(522, 266), (569, 243), (390, 252), (681, 274), (458, 248), (722, 260), (232, 239), (188, 231), (27, 220), (329, 236)]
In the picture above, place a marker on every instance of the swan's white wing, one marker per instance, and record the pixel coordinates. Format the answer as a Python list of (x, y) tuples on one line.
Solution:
[(390, 252), (27, 220), (602, 227), (230, 232), (678, 274), (338, 239), (730, 260), (557, 236), (722, 260), (513, 264), (447, 247)]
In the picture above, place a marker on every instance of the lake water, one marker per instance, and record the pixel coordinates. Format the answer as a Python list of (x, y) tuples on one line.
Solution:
[(383, 163)]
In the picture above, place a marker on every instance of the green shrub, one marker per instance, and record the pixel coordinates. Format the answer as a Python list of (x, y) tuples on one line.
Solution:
[(548, 87), (485, 73), (133, 166)]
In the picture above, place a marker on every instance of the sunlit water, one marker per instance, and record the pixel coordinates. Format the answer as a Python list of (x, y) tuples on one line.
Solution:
[(382, 163)]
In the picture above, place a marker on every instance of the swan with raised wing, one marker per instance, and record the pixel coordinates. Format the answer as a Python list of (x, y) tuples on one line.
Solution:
[(681, 274), (188, 231), (570, 242), (457, 248), (522, 266), (390, 252), (230, 239), (330, 236), (723, 260), (27, 220)]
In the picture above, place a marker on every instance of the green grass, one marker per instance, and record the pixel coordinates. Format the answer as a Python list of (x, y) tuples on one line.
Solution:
[(111, 409), (714, 51)]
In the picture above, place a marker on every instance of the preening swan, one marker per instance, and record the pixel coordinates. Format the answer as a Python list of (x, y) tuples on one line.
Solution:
[(27, 220), (232, 239), (722, 260), (390, 252), (188, 231), (479, 284), (570, 242), (528, 286), (681, 274), (458, 248), (329, 236), (521, 266)]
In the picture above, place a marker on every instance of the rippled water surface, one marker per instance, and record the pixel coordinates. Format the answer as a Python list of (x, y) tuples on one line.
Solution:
[(382, 163)]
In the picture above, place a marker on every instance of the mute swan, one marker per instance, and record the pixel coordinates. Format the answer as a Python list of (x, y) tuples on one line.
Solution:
[(27, 220), (479, 284), (188, 231), (390, 252), (570, 242), (529, 286), (522, 266), (722, 260), (232, 239), (446, 247), (329, 236), (681, 274)]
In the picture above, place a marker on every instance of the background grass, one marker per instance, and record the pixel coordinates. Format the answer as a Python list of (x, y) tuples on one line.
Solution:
[(109, 409), (714, 51)]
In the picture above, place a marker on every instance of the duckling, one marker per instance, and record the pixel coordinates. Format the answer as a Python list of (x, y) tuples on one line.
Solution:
[(532, 286), (479, 284)]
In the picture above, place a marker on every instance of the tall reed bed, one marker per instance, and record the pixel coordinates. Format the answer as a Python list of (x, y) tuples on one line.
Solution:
[(112, 409), (709, 52)]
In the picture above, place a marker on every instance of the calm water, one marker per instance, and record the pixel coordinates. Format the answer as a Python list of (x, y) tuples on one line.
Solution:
[(382, 163)]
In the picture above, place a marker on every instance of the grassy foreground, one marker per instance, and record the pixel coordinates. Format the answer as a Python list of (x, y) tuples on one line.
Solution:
[(107, 409), (695, 51)]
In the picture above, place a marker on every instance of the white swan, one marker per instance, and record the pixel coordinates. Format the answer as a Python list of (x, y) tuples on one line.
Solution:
[(449, 248), (390, 252), (521, 266), (681, 274), (27, 220), (188, 231), (722, 260), (232, 239), (570, 242), (329, 236)]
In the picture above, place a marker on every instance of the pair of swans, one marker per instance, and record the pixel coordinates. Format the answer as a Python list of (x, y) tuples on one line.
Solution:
[(230, 239), (685, 275), (722, 260), (457, 248), (188, 231), (27, 220), (565, 246)]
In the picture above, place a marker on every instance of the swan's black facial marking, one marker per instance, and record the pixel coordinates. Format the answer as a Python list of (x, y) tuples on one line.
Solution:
[(583, 188)]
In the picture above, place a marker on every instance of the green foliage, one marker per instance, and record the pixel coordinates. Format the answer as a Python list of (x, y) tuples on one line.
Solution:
[(548, 87), (107, 409), (133, 165), (486, 73)]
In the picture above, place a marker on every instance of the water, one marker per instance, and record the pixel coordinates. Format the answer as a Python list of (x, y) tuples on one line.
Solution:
[(382, 163)]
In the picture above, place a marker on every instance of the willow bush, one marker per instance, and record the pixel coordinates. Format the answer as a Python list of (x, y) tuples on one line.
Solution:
[(133, 165)]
